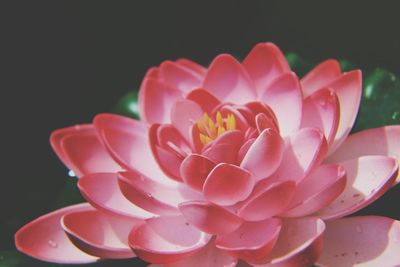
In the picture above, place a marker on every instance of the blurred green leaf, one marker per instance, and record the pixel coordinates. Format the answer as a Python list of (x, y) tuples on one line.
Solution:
[(128, 105)]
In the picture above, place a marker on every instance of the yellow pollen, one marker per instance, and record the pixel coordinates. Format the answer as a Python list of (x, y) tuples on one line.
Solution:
[(210, 129)]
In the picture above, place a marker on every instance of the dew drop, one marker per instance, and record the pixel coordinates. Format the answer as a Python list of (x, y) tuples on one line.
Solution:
[(52, 243), (149, 195), (71, 173), (358, 229)]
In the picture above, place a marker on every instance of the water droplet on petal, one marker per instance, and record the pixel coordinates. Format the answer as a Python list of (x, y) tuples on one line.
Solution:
[(71, 173), (149, 195), (52, 243)]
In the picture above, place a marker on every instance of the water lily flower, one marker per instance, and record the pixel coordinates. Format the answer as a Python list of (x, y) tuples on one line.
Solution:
[(237, 164)]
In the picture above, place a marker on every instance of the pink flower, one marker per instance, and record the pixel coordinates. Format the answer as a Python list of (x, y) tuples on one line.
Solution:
[(238, 164)]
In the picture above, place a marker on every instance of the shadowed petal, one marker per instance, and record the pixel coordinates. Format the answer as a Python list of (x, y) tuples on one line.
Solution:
[(166, 239), (91, 231), (367, 241), (44, 239), (368, 178)]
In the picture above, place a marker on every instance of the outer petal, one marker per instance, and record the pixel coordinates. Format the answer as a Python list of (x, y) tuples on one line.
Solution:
[(317, 190), (209, 256), (367, 241), (285, 98), (299, 244), (228, 81), (368, 178), (44, 239), (166, 239), (252, 241), (264, 63), (199, 69), (348, 89), (381, 141), (152, 196), (265, 154), (79, 148), (127, 141), (179, 76), (228, 184), (321, 110), (102, 191), (210, 218), (156, 99), (269, 202), (86, 154), (303, 152), (320, 76), (57, 136), (91, 231)]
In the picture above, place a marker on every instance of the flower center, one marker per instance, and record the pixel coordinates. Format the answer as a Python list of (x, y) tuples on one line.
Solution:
[(210, 129)]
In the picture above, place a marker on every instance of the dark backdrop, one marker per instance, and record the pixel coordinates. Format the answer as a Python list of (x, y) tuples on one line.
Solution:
[(65, 61)]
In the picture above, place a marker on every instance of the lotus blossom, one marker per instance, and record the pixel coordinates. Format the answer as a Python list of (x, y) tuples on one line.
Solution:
[(237, 164)]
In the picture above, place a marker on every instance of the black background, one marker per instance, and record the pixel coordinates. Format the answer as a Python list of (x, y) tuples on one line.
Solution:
[(63, 62)]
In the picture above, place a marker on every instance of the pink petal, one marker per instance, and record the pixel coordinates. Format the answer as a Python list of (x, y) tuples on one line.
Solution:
[(368, 178), (210, 218), (244, 149), (127, 141), (152, 196), (102, 191), (195, 169), (209, 256), (265, 154), (91, 232), (86, 154), (264, 122), (156, 99), (381, 141), (368, 241), (199, 69), (167, 159), (321, 110), (44, 239), (303, 151), (264, 63), (228, 81), (269, 202), (184, 114), (285, 98), (221, 153), (166, 239), (204, 99), (252, 241), (299, 243), (228, 184), (320, 76), (179, 76), (57, 136), (317, 190), (348, 89)]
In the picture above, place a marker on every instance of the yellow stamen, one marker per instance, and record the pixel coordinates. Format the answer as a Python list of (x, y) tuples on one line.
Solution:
[(220, 122), (221, 130), (230, 122), (210, 129), (205, 139), (202, 128)]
